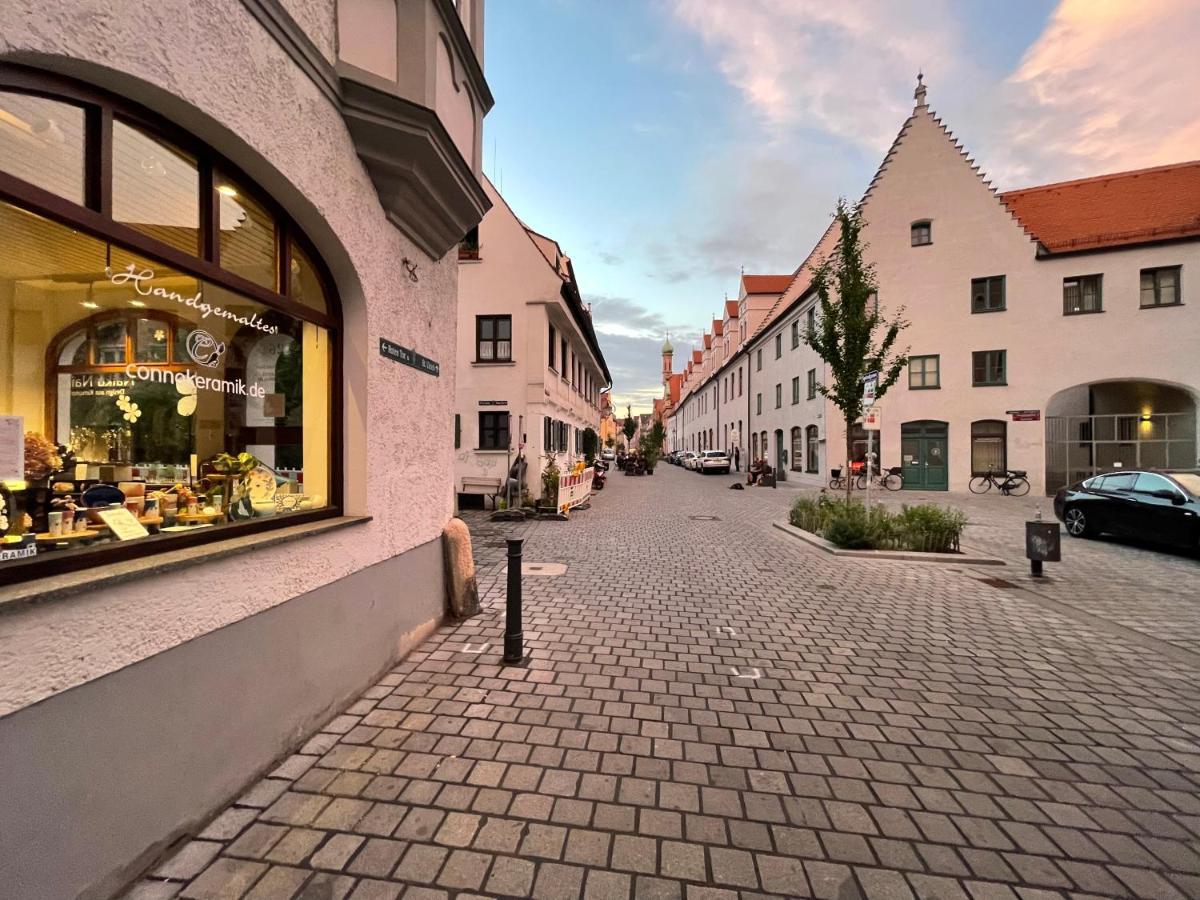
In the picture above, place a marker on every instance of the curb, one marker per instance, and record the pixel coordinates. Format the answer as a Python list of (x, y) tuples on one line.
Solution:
[(887, 555)]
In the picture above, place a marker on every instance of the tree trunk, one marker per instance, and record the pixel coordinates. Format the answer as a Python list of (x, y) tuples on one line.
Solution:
[(849, 455)]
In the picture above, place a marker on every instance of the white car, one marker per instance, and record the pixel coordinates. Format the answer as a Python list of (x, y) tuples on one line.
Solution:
[(687, 458), (608, 455), (712, 461)]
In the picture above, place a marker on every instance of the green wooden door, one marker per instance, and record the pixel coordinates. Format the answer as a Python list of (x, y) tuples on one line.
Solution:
[(924, 453)]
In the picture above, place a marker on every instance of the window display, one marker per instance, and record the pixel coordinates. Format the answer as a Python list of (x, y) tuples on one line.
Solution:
[(146, 397)]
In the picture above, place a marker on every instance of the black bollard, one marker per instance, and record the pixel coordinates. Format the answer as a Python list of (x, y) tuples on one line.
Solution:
[(514, 638)]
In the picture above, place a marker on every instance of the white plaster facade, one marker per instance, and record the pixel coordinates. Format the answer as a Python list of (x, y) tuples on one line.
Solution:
[(525, 276), (267, 98), (1133, 362)]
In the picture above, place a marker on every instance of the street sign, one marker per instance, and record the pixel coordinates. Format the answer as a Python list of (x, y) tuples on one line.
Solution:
[(1025, 415), (396, 353), (870, 385), (872, 418)]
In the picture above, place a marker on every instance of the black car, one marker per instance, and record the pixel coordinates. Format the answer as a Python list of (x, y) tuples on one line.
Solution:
[(1155, 506)]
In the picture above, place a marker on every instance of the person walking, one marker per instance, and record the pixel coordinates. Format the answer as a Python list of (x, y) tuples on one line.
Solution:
[(737, 459)]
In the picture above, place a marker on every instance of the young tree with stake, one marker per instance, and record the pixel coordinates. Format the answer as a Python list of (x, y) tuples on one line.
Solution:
[(850, 335)]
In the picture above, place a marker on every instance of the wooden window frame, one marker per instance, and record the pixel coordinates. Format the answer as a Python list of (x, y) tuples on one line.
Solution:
[(1003, 368), (494, 340), (94, 218), (987, 280), (1079, 281), (927, 225), (1154, 272), (494, 417), (924, 385)]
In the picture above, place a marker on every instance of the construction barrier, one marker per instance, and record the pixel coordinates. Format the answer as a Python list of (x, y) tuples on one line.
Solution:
[(574, 490)]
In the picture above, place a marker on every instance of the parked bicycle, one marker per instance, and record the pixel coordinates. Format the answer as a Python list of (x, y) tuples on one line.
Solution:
[(891, 479), (1010, 482), (837, 481)]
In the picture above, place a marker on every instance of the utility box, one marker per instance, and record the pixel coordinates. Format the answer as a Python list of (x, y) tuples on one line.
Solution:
[(1043, 541)]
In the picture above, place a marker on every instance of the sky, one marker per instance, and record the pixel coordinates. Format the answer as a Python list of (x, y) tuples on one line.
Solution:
[(668, 144)]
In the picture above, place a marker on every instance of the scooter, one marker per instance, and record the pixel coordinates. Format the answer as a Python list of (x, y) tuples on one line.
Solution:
[(599, 476)]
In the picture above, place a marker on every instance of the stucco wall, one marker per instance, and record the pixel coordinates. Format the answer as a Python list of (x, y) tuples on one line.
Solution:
[(233, 86), (975, 236)]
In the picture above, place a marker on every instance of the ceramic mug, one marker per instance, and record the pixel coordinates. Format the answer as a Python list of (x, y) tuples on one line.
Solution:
[(81, 521), (56, 522)]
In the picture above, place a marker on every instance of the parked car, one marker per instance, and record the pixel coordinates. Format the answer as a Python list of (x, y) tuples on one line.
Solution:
[(713, 461), (608, 454), (686, 458), (1157, 506)]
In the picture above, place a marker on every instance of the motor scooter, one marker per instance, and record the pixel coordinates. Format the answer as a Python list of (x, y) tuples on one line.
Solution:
[(599, 476)]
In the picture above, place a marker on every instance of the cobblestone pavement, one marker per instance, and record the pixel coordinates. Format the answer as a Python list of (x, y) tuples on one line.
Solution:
[(716, 711)]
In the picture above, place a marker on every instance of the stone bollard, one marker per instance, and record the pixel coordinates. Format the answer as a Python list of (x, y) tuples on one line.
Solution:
[(462, 591)]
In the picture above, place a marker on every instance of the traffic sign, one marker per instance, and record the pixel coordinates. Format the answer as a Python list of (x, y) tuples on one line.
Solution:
[(870, 385), (872, 418)]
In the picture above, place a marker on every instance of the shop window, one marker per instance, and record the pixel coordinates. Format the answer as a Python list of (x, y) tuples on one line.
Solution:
[(305, 285), (989, 446), (185, 386), (247, 234), (493, 431), (493, 338), (41, 141), (813, 444), (797, 464), (155, 188)]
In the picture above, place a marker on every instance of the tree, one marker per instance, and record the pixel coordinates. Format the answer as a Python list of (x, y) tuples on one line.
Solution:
[(657, 436), (851, 335), (589, 445), (609, 443), (629, 428)]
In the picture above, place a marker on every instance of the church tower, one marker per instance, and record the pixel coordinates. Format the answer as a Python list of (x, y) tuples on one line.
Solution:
[(667, 353)]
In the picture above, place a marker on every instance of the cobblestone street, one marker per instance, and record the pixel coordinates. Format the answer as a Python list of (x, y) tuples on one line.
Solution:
[(715, 710)]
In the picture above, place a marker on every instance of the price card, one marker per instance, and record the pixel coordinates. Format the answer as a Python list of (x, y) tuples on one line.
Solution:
[(12, 448), (123, 524)]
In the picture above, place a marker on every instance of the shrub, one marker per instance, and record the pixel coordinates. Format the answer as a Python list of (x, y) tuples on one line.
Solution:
[(930, 528), (850, 525)]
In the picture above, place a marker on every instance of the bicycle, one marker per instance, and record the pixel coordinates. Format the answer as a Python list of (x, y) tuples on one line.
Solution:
[(838, 481), (892, 479), (1014, 483)]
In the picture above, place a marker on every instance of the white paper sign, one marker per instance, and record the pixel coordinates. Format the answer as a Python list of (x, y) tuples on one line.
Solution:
[(12, 448), (123, 524)]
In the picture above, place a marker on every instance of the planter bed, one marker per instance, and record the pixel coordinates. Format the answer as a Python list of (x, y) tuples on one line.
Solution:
[(820, 543)]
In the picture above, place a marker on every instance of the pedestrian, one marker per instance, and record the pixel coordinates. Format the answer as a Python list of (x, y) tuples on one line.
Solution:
[(737, 459)]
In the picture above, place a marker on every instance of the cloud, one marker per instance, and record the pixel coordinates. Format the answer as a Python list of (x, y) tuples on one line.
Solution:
[(829, 66), (631, 339), (1108, 86)]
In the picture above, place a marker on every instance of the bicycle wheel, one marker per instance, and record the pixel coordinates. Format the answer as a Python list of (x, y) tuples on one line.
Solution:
[(980, 484), (836, 484), (861, 482), (1018, 487), (893, 482)]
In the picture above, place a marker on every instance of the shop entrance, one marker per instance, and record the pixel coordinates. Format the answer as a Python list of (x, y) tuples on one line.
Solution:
[(924, 453), (780, 456)]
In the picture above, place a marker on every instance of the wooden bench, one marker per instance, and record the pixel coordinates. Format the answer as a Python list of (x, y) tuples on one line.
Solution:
[(489, 487)]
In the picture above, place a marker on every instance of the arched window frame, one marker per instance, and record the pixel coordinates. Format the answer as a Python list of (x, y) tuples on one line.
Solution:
[(94, 217)]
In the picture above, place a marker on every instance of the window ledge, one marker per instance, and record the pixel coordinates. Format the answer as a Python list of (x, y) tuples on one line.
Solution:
[(56, 587), (1083, 312), (1160, 305), (496, 362)]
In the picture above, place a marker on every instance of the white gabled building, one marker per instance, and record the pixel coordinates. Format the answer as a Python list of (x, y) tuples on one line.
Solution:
[(530, 371), (1051, 329)]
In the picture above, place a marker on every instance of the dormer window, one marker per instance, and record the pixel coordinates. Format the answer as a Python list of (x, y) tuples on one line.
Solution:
[(922, 233)]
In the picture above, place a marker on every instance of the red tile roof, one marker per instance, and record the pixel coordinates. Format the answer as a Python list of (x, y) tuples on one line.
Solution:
[(766, 284), (1112, 210), (697, 356), (674, 384), (731, 309), (718, 327)]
